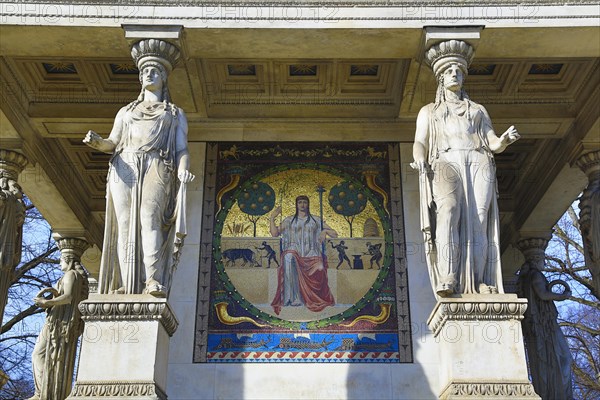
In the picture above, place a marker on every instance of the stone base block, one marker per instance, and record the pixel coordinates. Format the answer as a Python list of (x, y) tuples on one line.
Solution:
[(125, 347), (482, 354)]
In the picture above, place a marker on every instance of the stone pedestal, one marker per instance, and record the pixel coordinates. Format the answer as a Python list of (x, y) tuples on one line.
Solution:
[(125, 347), (481, 347)]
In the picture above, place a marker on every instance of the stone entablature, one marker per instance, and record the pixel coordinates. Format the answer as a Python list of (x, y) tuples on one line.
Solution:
[(309, 3)]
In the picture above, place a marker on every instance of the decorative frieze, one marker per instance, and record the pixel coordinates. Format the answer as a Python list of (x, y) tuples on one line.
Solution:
[(466, 308), (129, 308), (100, 389), (500, 390)]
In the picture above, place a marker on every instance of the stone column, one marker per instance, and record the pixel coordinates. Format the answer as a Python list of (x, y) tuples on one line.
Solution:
[(481, 347), (589, 214), (12, 216), (125, 347)]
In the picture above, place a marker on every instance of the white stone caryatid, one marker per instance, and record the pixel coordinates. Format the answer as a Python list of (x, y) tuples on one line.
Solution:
[(125, 347), (589, 214), (12, 216), (53, 357), (147, 177), (454, 152), (547, 349), (481, 347)]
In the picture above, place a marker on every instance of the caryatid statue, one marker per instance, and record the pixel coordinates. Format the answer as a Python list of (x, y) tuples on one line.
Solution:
[(12, 217), (454, 152), (148, 171), (548, 352), (53, 357)]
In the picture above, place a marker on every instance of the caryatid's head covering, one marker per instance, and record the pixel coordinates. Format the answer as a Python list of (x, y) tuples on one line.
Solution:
[(440, 56), (158, 53), (155, 52)]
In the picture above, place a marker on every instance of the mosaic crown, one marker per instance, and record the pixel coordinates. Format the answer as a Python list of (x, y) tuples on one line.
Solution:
[(153, 51), (441, 55)]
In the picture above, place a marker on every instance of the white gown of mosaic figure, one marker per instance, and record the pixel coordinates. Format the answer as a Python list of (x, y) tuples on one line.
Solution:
[(453, 150), (149, 146), (302, 275)]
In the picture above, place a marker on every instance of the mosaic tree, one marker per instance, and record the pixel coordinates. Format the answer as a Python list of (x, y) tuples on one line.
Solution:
[(255, 200), (348, 200)]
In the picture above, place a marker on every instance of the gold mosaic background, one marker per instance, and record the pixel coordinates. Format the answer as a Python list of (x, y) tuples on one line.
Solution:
[(288, 185)]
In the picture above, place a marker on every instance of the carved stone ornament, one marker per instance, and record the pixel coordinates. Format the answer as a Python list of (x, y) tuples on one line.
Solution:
[(475, 308), (534, 249), (513, 390), (101, 389), (12, 163), (124, 308), (74, 247)]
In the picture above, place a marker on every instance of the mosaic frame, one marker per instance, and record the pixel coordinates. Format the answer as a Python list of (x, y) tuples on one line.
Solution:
[(354, 334)]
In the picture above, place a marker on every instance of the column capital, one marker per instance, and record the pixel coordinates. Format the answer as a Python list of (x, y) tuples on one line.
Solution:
[(71, 246), (534, 248), (589, 162), (12, 163)]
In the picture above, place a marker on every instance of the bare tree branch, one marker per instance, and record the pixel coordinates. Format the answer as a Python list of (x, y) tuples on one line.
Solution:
[(32, 264), (31, 310)]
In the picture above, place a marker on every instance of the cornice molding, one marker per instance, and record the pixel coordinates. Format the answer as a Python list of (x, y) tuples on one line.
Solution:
[(129, 308), (313, 3), (499, 307)]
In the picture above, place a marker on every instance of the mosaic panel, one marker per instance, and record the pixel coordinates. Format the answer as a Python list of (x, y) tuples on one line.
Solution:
[(302, 255)]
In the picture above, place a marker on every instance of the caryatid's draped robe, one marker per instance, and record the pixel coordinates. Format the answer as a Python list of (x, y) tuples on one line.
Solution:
[(145, 202)]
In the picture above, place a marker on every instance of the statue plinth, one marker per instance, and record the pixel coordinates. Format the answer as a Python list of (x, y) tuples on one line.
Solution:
[(125, 347), (481, 347)]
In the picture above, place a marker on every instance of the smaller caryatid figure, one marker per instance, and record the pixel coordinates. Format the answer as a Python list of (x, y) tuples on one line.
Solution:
[(12, 216), (341, 249), (53, 357), (547, 349), (145, 191), (302, 275), (454, 152)]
